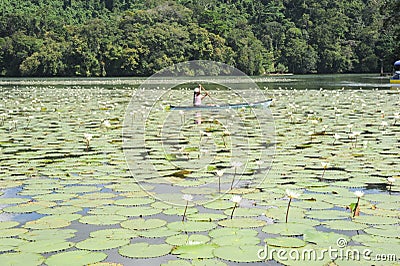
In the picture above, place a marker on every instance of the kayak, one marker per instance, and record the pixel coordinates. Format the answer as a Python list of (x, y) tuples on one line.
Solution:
[(264, 104)]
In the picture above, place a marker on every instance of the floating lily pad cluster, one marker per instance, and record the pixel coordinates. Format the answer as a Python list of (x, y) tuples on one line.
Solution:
[(63, 203)]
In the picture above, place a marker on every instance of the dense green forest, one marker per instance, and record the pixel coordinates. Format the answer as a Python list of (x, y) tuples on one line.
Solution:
[(140, 37)]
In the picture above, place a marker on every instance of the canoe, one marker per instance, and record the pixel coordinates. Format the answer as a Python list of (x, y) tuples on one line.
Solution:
[(263, 104)]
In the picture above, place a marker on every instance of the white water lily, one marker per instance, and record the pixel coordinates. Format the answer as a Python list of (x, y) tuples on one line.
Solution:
[(88, 137), (391, 180), (292, 194), (325, 165), (220, 172), (358, 193), (336, 136), (187, 197), (107, 123), (236, 164), (236, 199)]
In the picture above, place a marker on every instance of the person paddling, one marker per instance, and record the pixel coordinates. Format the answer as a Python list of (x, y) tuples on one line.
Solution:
[(197, 96)]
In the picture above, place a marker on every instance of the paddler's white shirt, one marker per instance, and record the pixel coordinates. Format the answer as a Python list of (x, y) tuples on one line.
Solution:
[(197, 99)]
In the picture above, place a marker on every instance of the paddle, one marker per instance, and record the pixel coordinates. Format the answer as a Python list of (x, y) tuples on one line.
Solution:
[(208, 94)]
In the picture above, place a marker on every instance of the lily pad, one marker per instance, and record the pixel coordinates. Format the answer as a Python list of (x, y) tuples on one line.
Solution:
[(183, 239), (145, 250), (21, 259), (75, 258), (238, 254), (191, 226), (286, 242), (287, 229), (101, 243), (45, 246), (197, 251), (142, 224), (114, 233), (242, 223), (102, 219)]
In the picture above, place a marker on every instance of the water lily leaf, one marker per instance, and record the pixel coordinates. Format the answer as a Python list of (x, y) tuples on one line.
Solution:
[(21, 259), (10, 232), (191, 226), (204, 217), (75, 258), (219, 205), (328, 214), (145, 250), (180, 211), (198, 251), (323, 239), (345, 225), (59, 210), (158, 232), (138, 211), (142, 224), (242, 223), (48, 234), (232, 231), (288, 242), (45, 246), (236, 240), (374, 220), (287, 229), (102, 219), (29, 207), (47, 222), (101, 243), (8, 224), (245, 212), (114, 233), (8, 244), (184, 239), (133, 201), (238, 254), (387, 232)]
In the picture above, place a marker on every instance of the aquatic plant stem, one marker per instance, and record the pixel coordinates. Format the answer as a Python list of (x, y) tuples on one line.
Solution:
[(184, 212), (234, 207), (356, 207), (233, 179), (287, 211)]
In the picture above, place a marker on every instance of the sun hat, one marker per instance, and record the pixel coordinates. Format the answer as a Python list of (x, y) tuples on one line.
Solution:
[(197, 90)]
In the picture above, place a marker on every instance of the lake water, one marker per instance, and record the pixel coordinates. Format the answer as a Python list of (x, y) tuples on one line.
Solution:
[(90, 174)]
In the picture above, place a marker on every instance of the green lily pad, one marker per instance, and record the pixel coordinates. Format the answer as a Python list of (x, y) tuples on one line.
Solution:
[(375, 220), (387, 232), (133, 201), (183, 239), (242, 223), (29, 207), (288, 242), (114, 233), (176, 263), (45, 246), (47, 222), (158, 232), (75, 258), (208, 262), (238, 254), (138, 211), (287, 229), (145, 250), (344, 225), (142, 224), (199, 251), (219, 205), (101, 243), (102, 219), (232, 231), (191, 226), (48, 234), (21, 259), (236, 240), (204, 217), (10, 232), (8, 224), (323, 239)]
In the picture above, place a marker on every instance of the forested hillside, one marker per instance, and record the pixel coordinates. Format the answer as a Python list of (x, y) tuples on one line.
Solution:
[(139, 37)]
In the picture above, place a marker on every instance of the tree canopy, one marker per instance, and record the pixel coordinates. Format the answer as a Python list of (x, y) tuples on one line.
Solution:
[(140, 37)]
